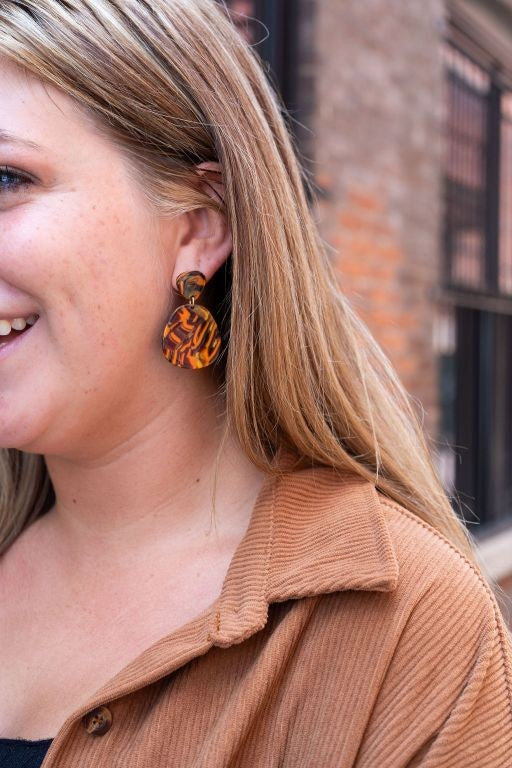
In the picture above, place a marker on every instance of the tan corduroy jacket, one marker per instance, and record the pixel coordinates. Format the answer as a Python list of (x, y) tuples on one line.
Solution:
[(347, 633)]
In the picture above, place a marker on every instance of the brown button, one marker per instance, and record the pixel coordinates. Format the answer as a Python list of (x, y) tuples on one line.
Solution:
[(98, 721)]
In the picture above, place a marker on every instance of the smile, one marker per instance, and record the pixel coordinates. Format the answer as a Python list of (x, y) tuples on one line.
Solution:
[(12, 332)]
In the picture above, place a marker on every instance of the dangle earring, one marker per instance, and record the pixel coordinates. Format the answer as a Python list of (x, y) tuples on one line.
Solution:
[(191, 338)]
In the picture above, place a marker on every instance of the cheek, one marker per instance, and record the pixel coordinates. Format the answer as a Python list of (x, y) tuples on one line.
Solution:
[(42, 248), (91, 277), (72, 259), (92, 339), (93, 273)]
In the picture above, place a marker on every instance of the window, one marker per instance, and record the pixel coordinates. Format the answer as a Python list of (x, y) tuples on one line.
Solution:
[(476, 322), (466, 101)]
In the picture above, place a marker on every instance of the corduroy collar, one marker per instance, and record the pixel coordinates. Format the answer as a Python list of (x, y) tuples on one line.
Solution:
[(312, 531)]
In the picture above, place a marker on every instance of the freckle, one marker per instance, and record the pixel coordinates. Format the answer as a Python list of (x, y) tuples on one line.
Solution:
[(74, 501), (197, 479)]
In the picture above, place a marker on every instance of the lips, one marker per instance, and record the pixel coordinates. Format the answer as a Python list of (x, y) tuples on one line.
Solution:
[(7, 339), (12, 335)]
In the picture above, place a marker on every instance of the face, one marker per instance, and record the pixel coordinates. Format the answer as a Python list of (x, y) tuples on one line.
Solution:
[(81, 248)]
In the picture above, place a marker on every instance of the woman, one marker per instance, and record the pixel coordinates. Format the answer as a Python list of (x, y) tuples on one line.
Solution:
[(171, 330)]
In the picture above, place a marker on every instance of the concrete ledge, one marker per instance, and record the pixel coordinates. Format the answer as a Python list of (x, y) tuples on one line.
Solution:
[(496, 554)]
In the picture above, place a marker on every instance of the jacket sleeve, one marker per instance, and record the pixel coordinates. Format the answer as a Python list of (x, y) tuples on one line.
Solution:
[(446, 699)]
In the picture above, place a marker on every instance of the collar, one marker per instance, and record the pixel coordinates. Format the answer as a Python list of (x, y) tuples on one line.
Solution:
[(312, 531)]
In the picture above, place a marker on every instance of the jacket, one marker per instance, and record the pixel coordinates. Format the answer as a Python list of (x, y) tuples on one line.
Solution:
[(348, 633)]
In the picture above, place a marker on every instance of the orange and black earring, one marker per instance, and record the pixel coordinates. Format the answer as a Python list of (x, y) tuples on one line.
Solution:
[(191, 338)]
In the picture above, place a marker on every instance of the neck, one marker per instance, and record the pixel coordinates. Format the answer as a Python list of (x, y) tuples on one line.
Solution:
[(151, 491)]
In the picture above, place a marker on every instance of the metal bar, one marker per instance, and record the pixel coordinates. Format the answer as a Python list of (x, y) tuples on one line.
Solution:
[(484, 445), (474, 300), (492, 189)]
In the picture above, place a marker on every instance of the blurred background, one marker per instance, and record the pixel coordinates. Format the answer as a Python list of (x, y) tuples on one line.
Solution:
[(402, 114)]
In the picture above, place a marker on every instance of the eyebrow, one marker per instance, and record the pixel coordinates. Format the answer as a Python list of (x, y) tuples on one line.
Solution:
[(10, 138)]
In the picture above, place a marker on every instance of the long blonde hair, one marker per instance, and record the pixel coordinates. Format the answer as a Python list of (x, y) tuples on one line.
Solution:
[(173, 83)]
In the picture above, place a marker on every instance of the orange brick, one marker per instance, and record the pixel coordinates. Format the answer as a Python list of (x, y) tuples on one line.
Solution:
[(368, 200)]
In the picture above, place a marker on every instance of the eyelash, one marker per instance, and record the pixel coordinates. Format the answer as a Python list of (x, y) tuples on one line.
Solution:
[(20, 180)]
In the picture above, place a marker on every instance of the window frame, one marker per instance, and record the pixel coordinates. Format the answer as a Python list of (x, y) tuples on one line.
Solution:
[(483, 324)]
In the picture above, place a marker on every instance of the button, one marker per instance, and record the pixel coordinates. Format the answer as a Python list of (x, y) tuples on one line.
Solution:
[(98, 721)]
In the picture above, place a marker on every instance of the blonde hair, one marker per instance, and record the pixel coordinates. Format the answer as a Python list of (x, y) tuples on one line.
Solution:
[(173, 84)]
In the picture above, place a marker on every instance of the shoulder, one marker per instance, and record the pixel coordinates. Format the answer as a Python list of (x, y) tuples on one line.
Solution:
[(451, 656), (333, 531), (434, 655), (436, 615), (402, 629), (445, 597), (431, 565)]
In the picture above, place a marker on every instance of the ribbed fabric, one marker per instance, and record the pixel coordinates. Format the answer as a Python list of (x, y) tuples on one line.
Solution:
[(22, 753), (348, 633)]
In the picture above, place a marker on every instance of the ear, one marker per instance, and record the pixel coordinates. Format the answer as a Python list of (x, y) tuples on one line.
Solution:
[(205, 242)]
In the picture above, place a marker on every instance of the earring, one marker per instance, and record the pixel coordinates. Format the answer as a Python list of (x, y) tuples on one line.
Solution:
[(191, 338)]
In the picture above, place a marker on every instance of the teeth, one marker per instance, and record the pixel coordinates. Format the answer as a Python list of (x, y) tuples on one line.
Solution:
[(18, 323)]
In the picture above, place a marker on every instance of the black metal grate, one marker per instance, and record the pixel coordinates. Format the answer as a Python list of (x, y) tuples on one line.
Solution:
[(477, 177), (476, 394), (465, 170), (483, 409)]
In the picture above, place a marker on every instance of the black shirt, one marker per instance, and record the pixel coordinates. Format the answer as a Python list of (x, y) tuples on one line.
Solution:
[(22, 753)]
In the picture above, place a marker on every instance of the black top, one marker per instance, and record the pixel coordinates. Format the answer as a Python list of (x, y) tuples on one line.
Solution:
[(22, 753)]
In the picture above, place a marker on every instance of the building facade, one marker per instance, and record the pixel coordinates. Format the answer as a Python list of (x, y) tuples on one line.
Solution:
[(402, 114)]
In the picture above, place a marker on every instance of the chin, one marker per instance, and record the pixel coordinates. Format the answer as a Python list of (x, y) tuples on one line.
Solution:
[(23, 433)]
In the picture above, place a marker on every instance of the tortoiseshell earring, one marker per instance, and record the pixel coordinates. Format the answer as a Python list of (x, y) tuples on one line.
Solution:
[(191, 338)]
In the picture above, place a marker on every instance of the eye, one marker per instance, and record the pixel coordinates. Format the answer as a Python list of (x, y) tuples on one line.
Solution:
[(11, 180)]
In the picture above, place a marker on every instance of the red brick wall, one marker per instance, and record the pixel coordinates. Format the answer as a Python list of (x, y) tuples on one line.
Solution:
[(377, 151)]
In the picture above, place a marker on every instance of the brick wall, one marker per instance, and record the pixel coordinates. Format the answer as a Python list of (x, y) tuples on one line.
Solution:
[(377, 124)]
